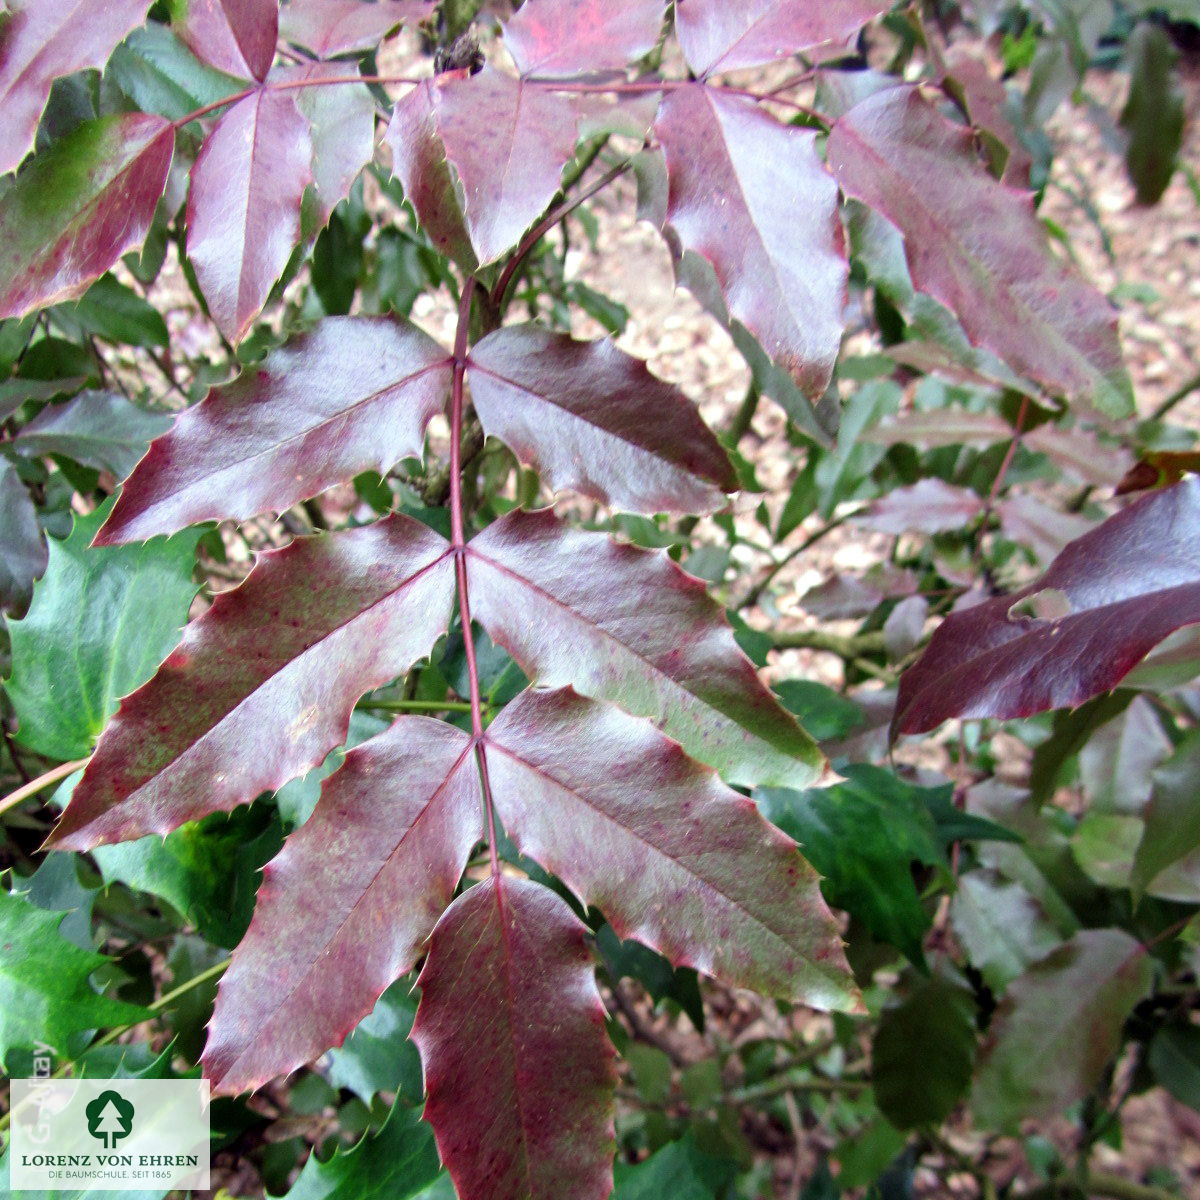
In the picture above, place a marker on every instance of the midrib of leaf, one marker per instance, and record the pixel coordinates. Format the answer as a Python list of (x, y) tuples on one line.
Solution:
[(260, 92), (287, 666), (950, 234), (309, 969), (704, 883)]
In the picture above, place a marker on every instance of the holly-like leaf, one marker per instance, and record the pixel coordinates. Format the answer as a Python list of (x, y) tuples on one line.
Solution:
[(22, 547), (718, 36), (1154, 114), (518, 1068), (506, 140), (99, 429), (233, 713), (74, 210), (330, 27), (577, 412), (929, 506), (863, 836), (39, 42), (680, 1170), (559, 38), (1125, 586), (237, 36), (399, 1161), (581, 787), (751, 198), (100, 622), (347, 906), (44, 991), (626, 625), (354, 394), (923, 1052), (1034, 1062), (243, 211), (977, 246), (378, 1055)]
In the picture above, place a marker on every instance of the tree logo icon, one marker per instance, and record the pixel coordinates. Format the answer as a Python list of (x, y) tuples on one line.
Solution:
[(109, 1118)]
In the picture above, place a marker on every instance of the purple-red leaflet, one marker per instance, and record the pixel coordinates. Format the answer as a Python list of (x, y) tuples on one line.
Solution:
[(42, 40), (518, 1068), (1130, 582), (74, 210), (977, 246), (627, 625), (507, 140), (579, 412), (984, 99), (347, 905), (663, 848), (560, 38), (329, 27), (929, 506), (353, 394), (719, 36), (262, 685), (236, 36), (243, 212), (752, 197)]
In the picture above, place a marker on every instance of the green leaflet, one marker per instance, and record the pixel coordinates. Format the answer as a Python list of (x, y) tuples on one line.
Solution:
[(680, 1170), (44, 991), (101, 621), (377, 1056)]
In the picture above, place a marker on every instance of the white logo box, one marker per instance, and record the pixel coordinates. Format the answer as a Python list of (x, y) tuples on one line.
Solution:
[(109, 1134)]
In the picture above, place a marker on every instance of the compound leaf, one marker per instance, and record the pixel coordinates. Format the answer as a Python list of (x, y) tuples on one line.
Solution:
[(558, 38), (1034, 1062), (22, 547), (39, 42), (622, 624), (329, 27), (976, 245), (100, 622), (236, 36), (74, 210), (518, 1068), (577, 412), (1126, 585), (353, 394), (718, 36), (506, 140), (99, 429), (752, 199), (44, 991), (237, 710), (347, 906), (668, 853), (243, 212)]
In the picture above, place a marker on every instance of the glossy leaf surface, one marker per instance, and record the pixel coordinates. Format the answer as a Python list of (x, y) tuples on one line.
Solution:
[(243, 212), (507, 142), (40, 42), (22, 547), (353, 394), (237, 36), (1034, 1062), (577, 412), (719, 36), (347, 906), (78, 207), (99, 429), (751, 197), (100, 622), (45, 995), (329, 27), (558, 38), (1129, 583), (704, 879), (977, 246), (519, 1072), (651, 640), (234, 714)]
